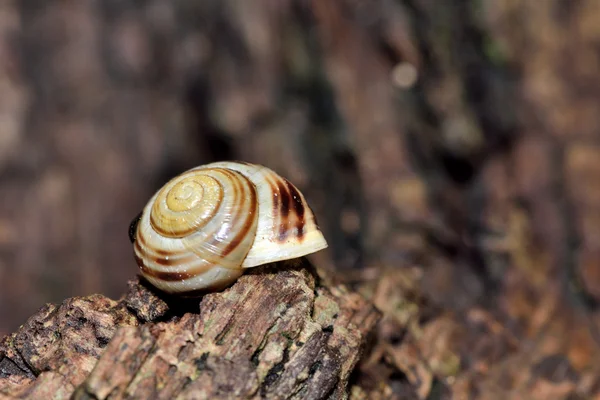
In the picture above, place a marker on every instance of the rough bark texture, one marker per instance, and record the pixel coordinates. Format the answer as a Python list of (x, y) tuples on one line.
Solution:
[(276, 333)]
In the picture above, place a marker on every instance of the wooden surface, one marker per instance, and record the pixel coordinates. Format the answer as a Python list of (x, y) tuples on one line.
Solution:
[(276, 333)]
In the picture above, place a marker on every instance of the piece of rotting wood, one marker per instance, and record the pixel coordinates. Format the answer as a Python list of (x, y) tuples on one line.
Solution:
[(278, 332)]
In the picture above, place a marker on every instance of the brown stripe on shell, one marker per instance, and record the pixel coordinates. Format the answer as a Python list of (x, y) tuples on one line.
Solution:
[(284, 210), (280, 207), (250, 215), (171, 261), (298, 206), (236, 194), (284, 207), (167, 275), (160, 257)]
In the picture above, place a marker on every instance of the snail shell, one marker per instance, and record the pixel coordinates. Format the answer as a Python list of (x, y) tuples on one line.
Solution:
[(203, 228)]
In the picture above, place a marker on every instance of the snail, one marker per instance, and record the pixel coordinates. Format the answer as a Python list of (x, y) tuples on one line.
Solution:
[(206, 226)]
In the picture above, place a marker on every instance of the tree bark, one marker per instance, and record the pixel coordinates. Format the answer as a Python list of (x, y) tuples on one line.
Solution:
[(278, 332)]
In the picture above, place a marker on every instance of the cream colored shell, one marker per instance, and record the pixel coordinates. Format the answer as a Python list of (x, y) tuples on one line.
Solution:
[(204, 227)]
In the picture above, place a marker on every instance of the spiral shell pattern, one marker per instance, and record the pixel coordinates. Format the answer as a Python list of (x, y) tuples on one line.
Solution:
[(203, 227)]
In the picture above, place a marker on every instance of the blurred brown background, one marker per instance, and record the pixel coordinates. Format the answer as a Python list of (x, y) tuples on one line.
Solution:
[(451, 146)]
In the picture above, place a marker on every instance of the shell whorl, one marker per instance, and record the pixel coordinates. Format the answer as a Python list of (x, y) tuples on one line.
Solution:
[(203, 227)]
